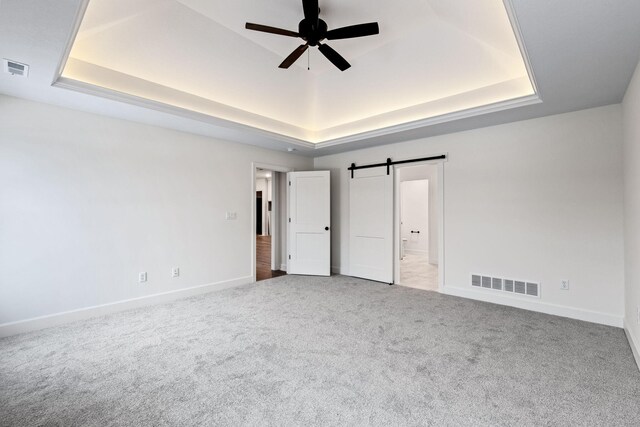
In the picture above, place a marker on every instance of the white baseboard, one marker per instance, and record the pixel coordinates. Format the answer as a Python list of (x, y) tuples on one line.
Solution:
[(42, 322), (536, 305), (634, 346)]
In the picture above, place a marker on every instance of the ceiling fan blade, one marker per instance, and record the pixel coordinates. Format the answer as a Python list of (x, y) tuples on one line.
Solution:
[(294, 56), (272, 30), (360, 30), (334, 57), (311, 11)]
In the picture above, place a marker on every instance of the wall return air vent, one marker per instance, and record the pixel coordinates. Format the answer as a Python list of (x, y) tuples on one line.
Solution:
[(521, 287), (15, 68)]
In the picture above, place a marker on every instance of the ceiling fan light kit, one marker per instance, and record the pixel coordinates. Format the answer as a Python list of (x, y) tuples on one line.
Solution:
[(313, 31)]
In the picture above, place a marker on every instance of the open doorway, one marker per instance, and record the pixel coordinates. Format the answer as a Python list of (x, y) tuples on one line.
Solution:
[(418, 226), (268, 228)]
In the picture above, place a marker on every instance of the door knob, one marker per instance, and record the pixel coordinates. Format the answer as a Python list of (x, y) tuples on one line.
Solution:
[(326, 228)]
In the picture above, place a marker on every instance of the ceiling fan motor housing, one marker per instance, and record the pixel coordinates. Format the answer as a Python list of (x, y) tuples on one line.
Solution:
[(312, 34)]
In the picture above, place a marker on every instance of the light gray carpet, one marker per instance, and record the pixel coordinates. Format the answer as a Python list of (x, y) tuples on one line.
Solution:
[(320, 351)]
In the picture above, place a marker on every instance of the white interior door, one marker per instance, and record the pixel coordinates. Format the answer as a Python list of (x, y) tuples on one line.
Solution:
[(371, 224), (309, 223)]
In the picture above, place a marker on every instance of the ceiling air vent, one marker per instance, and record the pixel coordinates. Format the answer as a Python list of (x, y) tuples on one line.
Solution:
[(15, 68), (531, 289)]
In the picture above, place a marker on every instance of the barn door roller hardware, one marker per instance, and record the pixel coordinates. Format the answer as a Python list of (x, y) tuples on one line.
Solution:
[(390, 163)]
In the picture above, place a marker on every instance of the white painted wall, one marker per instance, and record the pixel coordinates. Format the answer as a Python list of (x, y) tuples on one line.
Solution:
[(87, 202), (538, 200), (631, 111), (414, 213)]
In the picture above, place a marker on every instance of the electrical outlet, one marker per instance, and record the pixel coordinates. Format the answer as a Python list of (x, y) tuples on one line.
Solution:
[(142, 277), (175, 272), (564, 285)]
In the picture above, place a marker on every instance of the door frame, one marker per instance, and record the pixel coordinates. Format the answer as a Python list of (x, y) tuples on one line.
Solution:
[(275, 211), (396, 218)]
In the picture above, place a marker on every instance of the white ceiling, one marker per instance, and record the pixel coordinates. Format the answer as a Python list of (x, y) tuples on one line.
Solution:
[(582, 55), (430, 59)]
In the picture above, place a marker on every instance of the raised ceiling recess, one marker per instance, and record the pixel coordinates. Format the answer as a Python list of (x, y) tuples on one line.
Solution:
[(432, 61)]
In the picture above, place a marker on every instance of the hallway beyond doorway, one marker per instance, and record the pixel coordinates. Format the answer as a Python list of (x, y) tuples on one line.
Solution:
[(416, 272), (263, 259)]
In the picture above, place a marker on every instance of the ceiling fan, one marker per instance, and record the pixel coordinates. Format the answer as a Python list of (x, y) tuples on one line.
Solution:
[(314, 30)]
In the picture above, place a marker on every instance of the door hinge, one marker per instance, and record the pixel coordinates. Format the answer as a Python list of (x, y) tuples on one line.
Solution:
[(289, 219), (289, 256), (289, 183)]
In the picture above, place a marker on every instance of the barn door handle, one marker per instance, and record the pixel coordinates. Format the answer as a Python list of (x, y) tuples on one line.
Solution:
[(326, 228)]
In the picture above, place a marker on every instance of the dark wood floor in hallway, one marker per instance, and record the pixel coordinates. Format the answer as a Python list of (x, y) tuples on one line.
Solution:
[(263, 259)]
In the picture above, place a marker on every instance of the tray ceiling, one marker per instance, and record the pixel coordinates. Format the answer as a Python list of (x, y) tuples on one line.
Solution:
[(432, 58)]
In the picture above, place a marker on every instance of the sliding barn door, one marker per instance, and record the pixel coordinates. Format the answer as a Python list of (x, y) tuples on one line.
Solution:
[(371, 224), (309, 223)]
